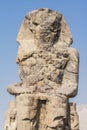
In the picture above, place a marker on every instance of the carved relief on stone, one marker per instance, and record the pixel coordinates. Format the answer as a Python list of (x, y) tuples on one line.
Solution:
[(73, 117), (11, 117), (48, 70)]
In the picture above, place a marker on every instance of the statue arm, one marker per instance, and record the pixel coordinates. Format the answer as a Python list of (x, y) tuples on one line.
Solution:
[(15, 89), (69, 86), (19, 88)]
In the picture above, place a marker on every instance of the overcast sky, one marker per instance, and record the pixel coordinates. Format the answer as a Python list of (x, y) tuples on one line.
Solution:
[(12, 13)]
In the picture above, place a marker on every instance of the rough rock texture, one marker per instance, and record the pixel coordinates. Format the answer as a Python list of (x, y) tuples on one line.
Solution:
[(48, 70), (11, 114)]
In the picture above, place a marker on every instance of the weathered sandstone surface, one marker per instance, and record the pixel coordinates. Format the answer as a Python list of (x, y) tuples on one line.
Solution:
[(48, 69)]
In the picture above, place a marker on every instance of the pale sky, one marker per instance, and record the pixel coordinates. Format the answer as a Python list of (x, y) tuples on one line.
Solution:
[(12, 13)]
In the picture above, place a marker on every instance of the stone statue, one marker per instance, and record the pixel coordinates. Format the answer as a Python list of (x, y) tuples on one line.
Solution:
[(48, 70)]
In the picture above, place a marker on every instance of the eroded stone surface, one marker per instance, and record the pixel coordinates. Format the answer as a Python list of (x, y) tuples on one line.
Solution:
[(74, 119), (11, 117), (48, 70)]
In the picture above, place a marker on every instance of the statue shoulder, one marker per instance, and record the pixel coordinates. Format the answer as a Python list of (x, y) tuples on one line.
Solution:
[(74, 55), (73, 63)]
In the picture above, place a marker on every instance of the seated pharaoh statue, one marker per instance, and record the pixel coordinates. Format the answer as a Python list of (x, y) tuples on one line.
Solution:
[(48, 70)]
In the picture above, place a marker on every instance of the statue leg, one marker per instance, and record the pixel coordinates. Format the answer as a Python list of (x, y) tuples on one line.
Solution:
[(73, 117), (27, 112), (11, 121), (56, 112)]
